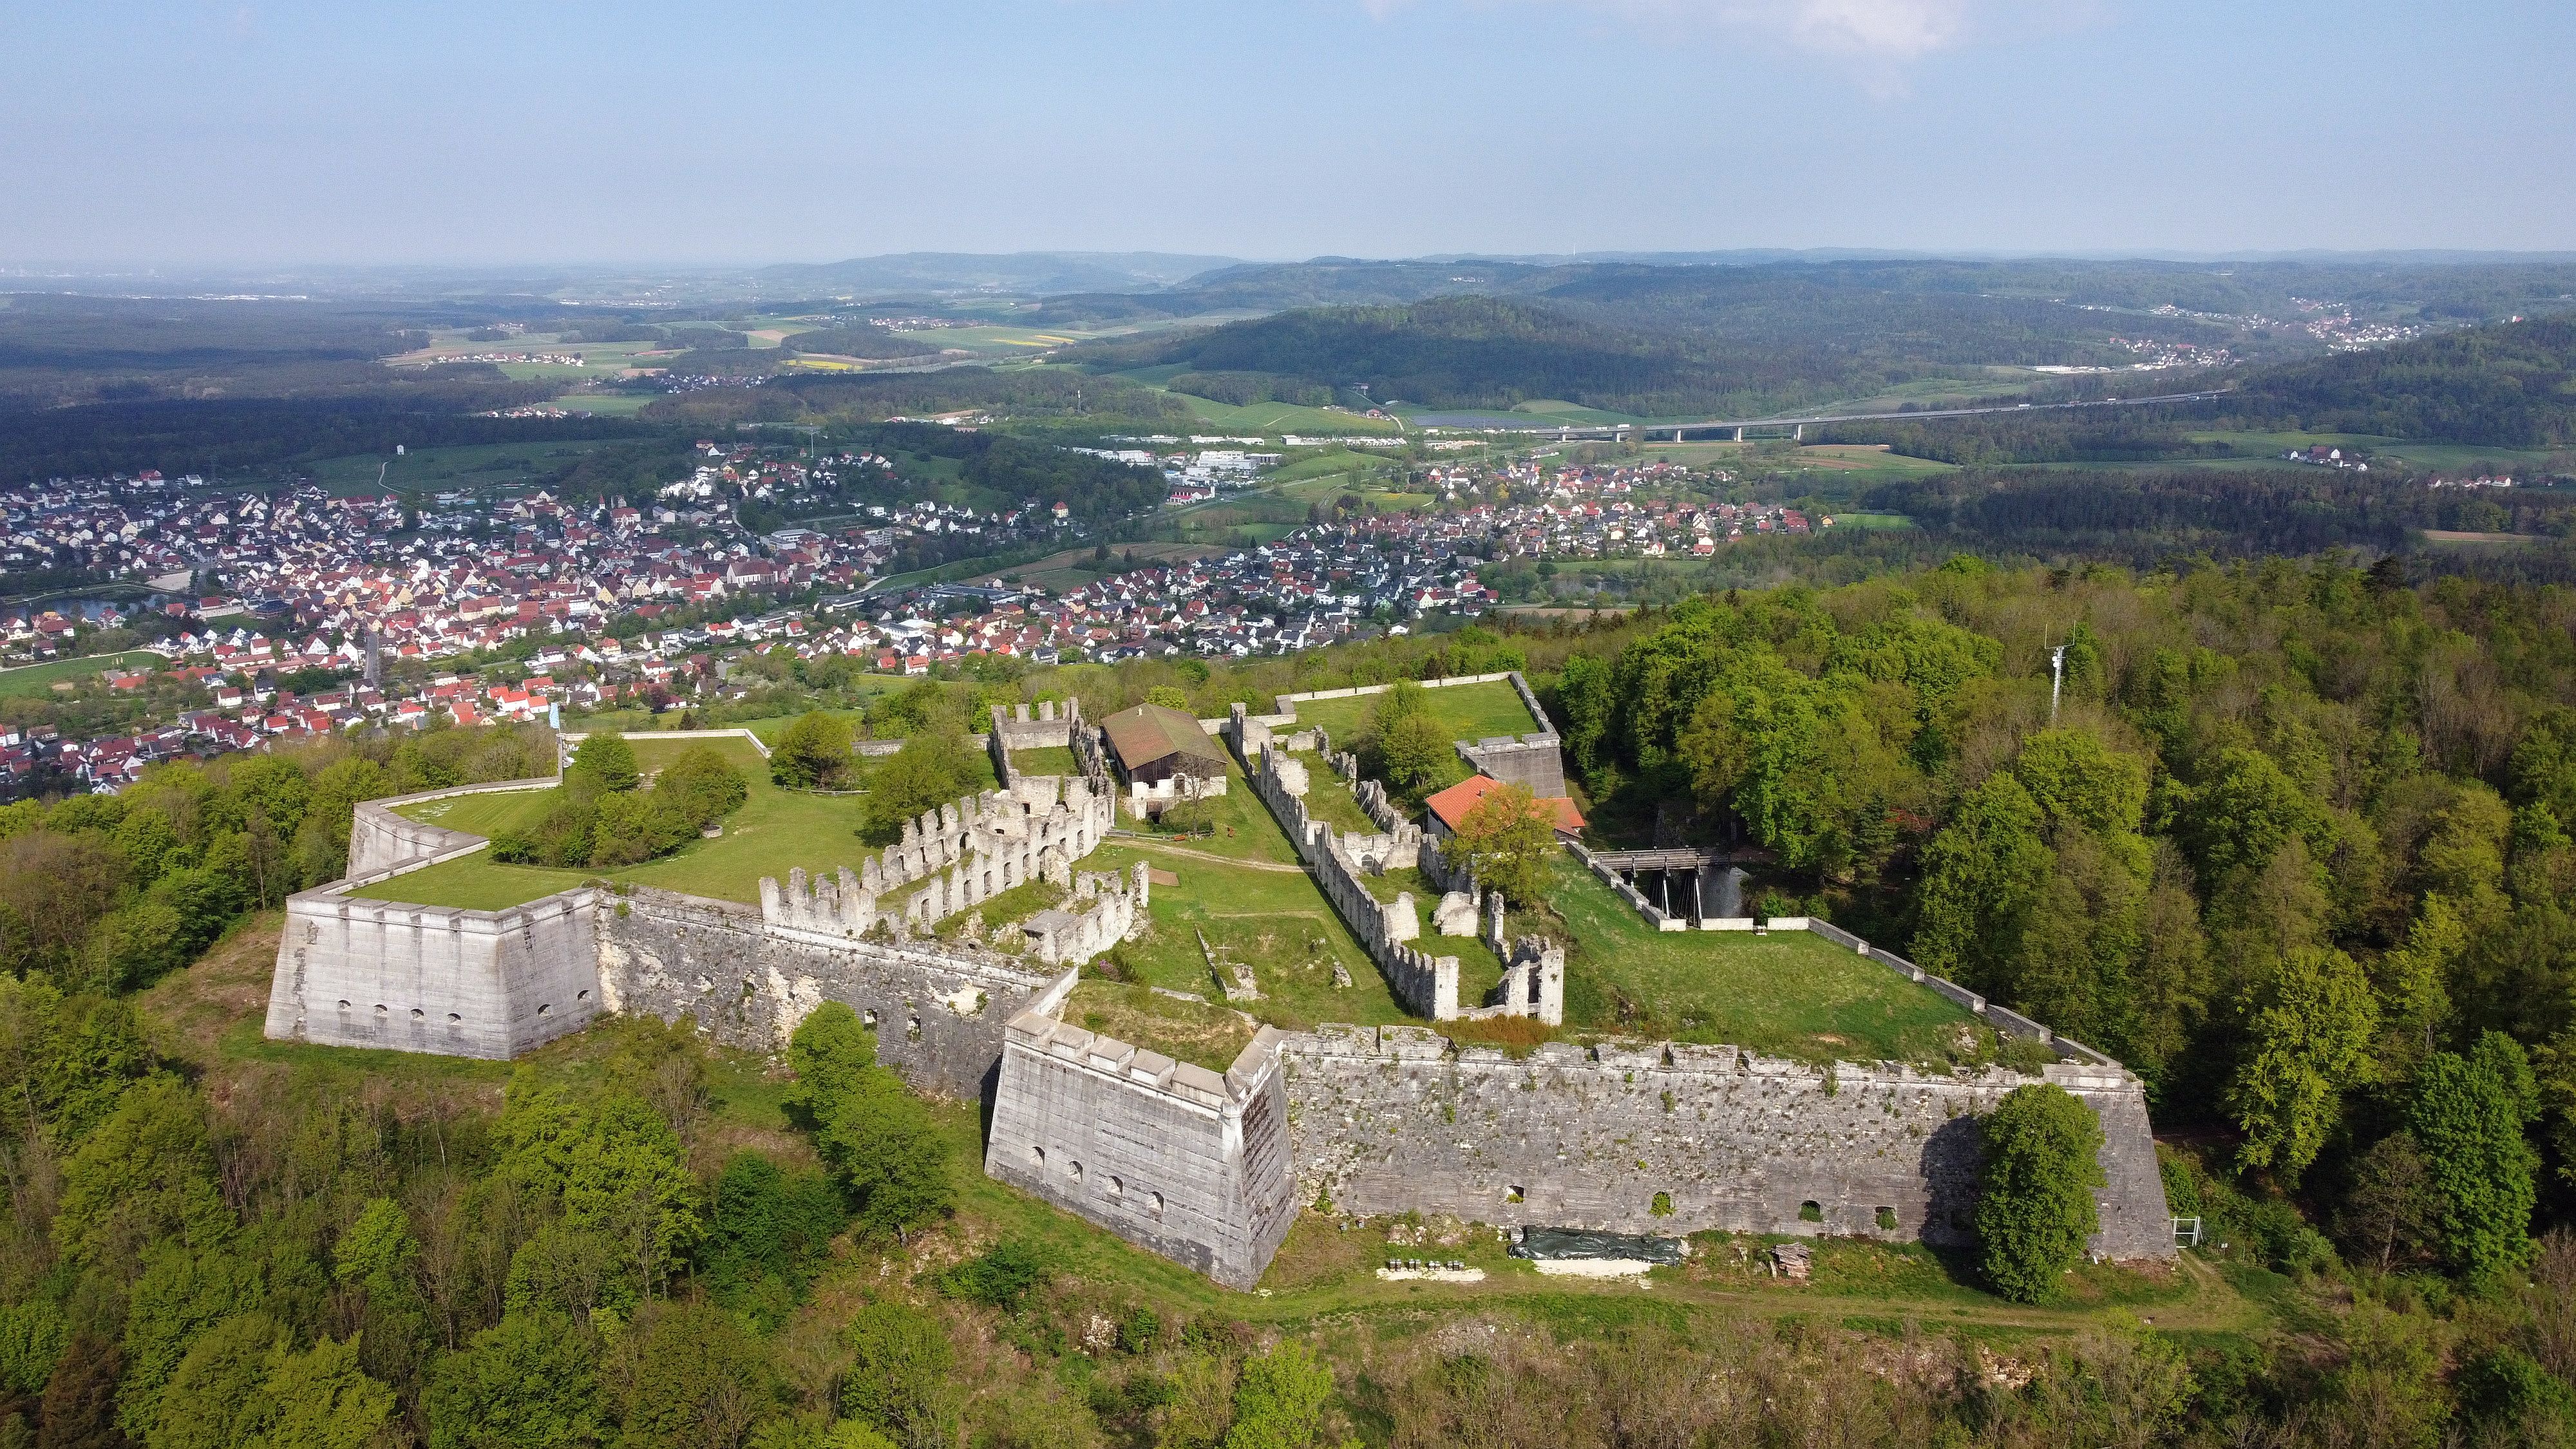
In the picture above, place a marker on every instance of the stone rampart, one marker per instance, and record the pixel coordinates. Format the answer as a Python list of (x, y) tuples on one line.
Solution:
[(439, 979), (937, 1010), (1393, 1120), (952, 859), (1177, 1159), (380, 839), (1016, 731)]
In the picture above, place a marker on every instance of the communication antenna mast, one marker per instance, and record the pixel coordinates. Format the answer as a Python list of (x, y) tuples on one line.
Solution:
[(2056, 680)]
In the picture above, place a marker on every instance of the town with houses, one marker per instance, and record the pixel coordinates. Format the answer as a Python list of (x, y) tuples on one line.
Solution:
[(398, 603)]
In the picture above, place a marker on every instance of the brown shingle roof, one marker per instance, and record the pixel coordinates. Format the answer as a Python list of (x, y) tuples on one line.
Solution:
[(1150, 732)]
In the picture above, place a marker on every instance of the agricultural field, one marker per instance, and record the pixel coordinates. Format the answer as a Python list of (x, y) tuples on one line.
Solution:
[(1074, 567), (1847, 458), (473, 467), (2445, 457), (1280, 418), (1786, 993), (1468, 711), (34, 679)]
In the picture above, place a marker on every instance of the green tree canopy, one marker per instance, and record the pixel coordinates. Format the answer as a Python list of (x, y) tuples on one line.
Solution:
[(2311, 1038), (2035, 1205), (2469, 1114), (607, 760), (813, 753)]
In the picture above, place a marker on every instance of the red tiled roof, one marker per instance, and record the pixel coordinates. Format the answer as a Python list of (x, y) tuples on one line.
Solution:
[(1452, 804)]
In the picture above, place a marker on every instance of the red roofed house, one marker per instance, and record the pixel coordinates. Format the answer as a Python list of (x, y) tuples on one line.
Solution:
[(1449, 808)]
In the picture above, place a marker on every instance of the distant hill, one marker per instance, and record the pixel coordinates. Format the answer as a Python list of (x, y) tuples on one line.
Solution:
[(2512, 385), (1026, 273), (1448, 352)]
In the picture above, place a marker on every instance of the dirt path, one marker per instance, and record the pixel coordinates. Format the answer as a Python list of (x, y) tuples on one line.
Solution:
[(1274, 867)]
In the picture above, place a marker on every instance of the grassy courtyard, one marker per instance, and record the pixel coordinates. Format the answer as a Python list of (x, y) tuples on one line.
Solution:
[(1786, 993), (1467, 711), (775, 831)]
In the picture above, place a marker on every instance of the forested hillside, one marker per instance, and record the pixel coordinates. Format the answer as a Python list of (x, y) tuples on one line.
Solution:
[(2294, 833), (1459, 352), (2512, 385)]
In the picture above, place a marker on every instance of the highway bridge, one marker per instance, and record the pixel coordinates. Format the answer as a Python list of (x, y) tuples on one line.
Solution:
[(1733, 429)]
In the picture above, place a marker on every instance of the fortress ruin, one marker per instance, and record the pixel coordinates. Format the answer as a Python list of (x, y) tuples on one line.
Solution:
[(1207, 1168)]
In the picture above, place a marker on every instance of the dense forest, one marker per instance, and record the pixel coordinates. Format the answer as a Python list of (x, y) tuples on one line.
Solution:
[(1459, 352), (2511, 385), (860, 341)]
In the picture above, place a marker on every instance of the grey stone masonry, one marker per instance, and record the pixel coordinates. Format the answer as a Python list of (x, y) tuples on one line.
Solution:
[(1392, 1120), (1427, 985), (381, 840), (953, 858), (1177, 1159), (1014, 730), (438, 979), (938, 1012)]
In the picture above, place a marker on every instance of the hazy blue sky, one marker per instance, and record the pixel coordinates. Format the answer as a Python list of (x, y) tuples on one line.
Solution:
[(535, 130)]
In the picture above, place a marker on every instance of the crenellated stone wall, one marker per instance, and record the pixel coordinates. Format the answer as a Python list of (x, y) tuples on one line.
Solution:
[(1016, 731), (952, 859), (1427, 985)]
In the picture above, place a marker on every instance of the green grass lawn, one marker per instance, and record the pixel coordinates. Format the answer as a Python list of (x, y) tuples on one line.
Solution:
[(1277, 922), (483, 814), (605, 404), (774, 831), (2271, 445), (1275, 417), (1786, 993), (32, 679), (1049, 760), (1331, 801), (1872, 520), (1469, 711)]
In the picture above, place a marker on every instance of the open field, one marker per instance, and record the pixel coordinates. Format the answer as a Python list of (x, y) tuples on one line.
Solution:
[(1278, 417), (2444, 456), (1868, 458), (606, 404), (472, 467), (1871, 520), (1787, 993), (1074, 567), (2458, 538), (32, 679), (1467, 711)]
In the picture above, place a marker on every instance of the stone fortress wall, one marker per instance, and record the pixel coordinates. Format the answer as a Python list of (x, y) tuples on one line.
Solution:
[(1203, 1167), (1177, 1159), (356, 971), (1533, 982), (1397, 1120)]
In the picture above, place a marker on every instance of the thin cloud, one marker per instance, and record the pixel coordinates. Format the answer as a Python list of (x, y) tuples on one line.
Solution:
[(1883, 31)]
